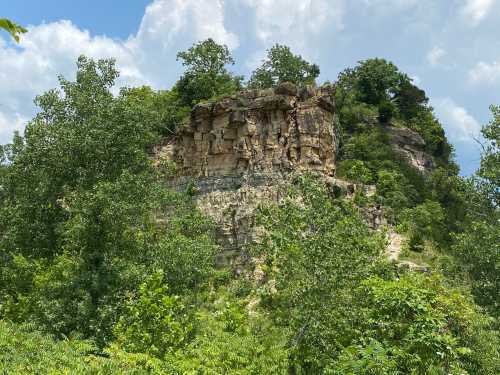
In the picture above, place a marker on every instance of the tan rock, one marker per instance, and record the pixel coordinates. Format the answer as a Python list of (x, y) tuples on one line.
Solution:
[(243, 151)]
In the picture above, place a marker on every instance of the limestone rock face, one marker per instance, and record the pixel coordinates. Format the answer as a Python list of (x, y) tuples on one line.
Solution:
[(244, 150), (411, 146), (259, 131)]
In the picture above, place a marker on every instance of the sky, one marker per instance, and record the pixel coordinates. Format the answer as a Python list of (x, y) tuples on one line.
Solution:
[(451, 48)]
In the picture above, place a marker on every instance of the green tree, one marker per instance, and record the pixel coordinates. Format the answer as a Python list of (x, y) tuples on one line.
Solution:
[(374, 81), (490, 160), (165, 105), (81, 136), (83, 211), (424, 222), (282, 65), (13, 29), (206, 75), (477, 247), (155, 323), (316, 251), (417, 325), (410, 99)]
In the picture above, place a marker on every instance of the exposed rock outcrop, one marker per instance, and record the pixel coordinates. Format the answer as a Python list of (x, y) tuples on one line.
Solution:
[(245, 150), (259, 131), (411, 146)]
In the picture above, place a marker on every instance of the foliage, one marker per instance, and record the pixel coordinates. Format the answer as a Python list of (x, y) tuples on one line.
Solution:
[(206, 75), (24, 350), (316, 250), (13, 29), (379, 85), (166, 105), (478, 250), (79, 225), (373, 81), (282, 65), (155, 323), (356, 170), (416, 324), (229, 340), (477, 246), (95, 251), (490, 160), (423, 222), (80, 137)]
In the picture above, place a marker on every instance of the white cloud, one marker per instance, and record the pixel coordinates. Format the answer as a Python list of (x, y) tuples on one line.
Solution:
[(485, 74), (474, 11), (435, 55), (294, 23), (460, 126), (400, 4), (48, 50)]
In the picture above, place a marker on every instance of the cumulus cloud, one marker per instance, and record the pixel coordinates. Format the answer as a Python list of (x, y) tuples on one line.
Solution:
[(485, 74), (459, 125), (394, 4), (294, 23), (48, 50), (435, 55), (474, 11)]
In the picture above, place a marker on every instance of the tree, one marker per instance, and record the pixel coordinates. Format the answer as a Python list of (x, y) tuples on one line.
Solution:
[(375, 81), (423, 222), (155, 323), (380, 83), (416, 324), (81, 200), (206, 75), (477, 248), (316, 250), (81, 136), (410, 99), (282, 65), (490, 160), (13, 29)]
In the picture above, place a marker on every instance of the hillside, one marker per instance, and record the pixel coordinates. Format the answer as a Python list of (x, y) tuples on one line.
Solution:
[(273, 226)]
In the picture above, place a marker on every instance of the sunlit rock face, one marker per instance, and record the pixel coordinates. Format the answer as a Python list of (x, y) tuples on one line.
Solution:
[(245, 150), (264, 131)]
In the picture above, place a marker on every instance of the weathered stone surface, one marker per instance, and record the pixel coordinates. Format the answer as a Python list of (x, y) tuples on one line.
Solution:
[(411, 146), (244, 151), (286, 88), (273, 131)]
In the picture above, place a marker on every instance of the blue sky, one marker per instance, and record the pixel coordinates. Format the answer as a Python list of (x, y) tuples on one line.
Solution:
[(451, 48)]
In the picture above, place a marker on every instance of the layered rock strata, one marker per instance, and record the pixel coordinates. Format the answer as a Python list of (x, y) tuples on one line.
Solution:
[(244, 150)]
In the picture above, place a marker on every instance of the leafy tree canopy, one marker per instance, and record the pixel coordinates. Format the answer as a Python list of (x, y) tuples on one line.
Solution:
[(282, 65), (206, 75)]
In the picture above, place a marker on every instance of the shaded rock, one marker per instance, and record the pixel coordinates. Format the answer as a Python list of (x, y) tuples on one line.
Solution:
[(286, 88), (411, 146)]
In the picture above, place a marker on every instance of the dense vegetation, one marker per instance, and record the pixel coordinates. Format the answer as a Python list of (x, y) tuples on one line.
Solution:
[(104, 270)]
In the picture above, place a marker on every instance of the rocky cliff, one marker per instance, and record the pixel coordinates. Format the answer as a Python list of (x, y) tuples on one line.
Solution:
[(259, 131), (244, 150)]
